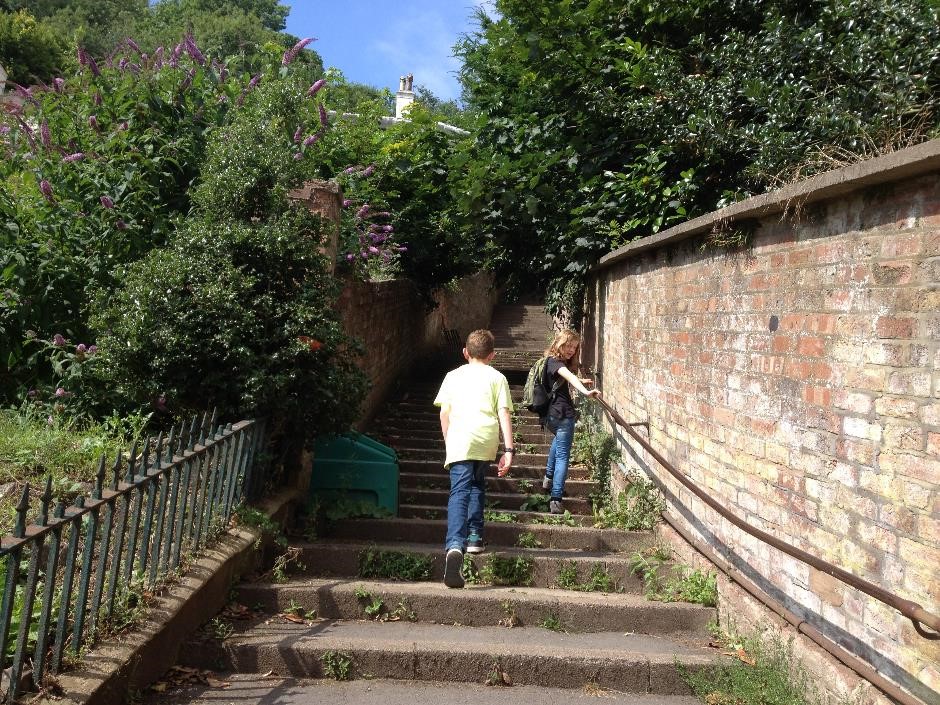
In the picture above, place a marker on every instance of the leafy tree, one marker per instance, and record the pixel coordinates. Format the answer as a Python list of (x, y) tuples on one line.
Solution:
[(30, 51), (96, 25), (604, 122)]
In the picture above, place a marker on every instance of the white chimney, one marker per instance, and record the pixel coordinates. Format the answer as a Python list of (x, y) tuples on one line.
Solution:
[(3, 80), (405, 95)]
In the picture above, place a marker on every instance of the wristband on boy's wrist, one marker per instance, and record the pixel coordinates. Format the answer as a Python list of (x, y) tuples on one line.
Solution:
[(510, 450)]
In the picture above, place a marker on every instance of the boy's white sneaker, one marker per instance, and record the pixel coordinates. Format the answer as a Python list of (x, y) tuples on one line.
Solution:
[(453, 566)]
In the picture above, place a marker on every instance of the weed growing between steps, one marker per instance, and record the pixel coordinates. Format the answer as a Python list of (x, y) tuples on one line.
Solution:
[(684, 585), (566, 519), (599, 580), (255, 518), (763, 671), (506, 570), (639, 508), (337, 665), (535, 503), (394, 565), (375, 609), (552, 623), (498, 517), (511, 619), (528, 540)]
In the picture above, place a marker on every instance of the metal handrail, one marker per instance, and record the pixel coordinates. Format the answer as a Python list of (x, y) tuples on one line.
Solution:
[(912, 610)]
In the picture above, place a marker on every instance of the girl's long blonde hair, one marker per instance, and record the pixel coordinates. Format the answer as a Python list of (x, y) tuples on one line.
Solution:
[(562, 338)]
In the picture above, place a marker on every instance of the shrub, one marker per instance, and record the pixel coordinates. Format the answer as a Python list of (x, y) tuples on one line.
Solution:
[(238, 316)]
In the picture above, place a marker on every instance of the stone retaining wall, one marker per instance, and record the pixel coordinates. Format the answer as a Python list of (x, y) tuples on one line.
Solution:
[(798, 381)]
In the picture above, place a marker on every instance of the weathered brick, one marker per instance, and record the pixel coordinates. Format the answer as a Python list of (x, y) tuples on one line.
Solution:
[(894, 327), (903, 436), (899, 407), (915, 383), (892, 354), (861, 428)]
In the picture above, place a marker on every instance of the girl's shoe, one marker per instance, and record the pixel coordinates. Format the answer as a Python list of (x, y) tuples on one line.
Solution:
[(475, 544), (546, 483), (555, 506)]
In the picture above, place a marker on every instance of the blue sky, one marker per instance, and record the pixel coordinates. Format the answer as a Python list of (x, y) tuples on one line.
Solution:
[(375, 42)]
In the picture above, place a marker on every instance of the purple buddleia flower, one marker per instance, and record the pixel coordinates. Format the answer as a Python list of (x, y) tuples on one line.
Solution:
[(351, 169), (4, 129), (76, 157), (93, 123), (347, 203), (107, 202), (350, 257), (81, 348), (298, 134), (97, 99), (123, 126), (292, 53), (122, 64), (132, 44), (312, 139), (363, 211), (373, 250), (32, 393), (92, 349), (322, 114), (44, 135), (388, 229), (188, 81), (59, 392), (315, 88), (81, 55), (135, 68), (193, 50), (27, 93), (120, 225), (368, 171), (58, 340), (58, 84), (93, 66), (401, 248), (46, 189), (255, 80), (298, 155)]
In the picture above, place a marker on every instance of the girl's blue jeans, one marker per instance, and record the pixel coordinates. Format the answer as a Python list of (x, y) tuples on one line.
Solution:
[(559, 455), (465, 505)]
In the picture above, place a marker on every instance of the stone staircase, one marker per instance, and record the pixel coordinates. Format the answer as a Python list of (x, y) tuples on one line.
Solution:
[(344, 614)]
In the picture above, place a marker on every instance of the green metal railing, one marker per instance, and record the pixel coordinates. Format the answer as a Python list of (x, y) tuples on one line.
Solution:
[(163, 502)]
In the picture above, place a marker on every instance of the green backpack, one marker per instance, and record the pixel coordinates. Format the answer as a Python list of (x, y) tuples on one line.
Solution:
[(536, 394)]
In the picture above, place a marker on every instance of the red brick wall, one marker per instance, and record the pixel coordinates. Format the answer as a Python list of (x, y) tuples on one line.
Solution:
[(799, 383), (396, 329)]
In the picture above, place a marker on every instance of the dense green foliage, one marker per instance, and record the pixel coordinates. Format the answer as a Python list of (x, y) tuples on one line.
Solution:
[(603, 122), (30, 51), (96, 183)]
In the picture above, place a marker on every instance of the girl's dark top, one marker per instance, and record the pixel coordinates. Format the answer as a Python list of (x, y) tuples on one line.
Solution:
[(561, 407)]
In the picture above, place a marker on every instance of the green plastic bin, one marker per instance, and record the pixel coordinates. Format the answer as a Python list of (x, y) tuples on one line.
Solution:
[(357, 468)]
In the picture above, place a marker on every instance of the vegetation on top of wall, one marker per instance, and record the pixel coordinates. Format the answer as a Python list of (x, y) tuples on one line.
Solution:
[(604, 122)]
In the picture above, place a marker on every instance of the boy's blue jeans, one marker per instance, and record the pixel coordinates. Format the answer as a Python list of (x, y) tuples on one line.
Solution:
[(560, 453), (465, 505)]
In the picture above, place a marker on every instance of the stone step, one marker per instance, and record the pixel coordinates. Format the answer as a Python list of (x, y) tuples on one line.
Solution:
[(407, 442), (498, 534), (424, 511), (522, 469), (627, 663), (494, 500), (479, 606), (341, 559), (256, 688), (441, 480), (520, 455)]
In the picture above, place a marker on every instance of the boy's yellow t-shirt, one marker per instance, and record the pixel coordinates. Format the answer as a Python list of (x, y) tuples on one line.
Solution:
[(475, 394)]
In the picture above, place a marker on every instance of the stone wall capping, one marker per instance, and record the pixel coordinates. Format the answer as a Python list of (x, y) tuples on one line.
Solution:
[(902, 164)]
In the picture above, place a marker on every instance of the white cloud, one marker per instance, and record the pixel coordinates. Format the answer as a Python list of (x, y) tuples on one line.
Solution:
[(423, 44)]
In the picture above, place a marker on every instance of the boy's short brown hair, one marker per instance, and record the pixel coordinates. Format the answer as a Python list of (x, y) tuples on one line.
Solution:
[(480, 344)]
